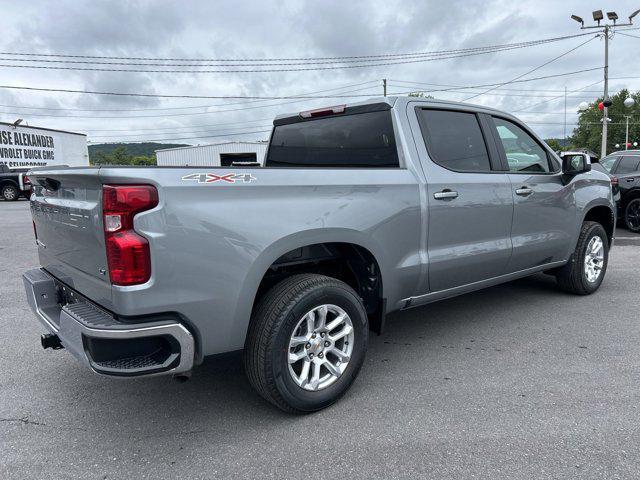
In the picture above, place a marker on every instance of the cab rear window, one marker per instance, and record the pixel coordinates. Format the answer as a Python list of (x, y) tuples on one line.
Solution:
[(363, 140)]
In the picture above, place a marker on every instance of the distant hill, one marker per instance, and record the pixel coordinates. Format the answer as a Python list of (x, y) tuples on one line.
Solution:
[(133, 149)]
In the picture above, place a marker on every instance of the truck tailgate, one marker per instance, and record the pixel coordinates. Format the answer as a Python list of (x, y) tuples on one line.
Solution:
[(67, 213)]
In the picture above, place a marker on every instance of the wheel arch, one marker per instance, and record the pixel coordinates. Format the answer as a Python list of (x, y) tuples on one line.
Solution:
[(8, 181), (307, 247), (630, 195), (603, 214)]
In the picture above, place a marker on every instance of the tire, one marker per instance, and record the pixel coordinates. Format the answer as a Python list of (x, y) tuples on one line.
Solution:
[(574, 277), (10, 193), (632, 215), (281, 314)]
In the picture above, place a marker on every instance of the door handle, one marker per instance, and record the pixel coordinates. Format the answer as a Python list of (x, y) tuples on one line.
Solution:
[(630, 180), (524, 191), (444, 194)]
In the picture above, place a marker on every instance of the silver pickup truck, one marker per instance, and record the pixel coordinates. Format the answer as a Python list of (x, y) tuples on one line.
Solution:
[(358, 211)]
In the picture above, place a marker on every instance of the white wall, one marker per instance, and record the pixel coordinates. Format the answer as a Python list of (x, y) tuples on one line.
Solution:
[(208, 155)]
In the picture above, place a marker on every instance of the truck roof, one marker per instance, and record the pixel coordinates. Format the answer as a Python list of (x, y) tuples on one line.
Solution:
[(396, 102)]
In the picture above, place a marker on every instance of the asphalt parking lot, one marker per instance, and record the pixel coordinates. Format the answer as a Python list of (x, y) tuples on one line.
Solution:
[(518, 381)]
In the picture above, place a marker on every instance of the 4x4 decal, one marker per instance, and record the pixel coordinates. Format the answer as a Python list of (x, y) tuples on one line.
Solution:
[(225, 177)]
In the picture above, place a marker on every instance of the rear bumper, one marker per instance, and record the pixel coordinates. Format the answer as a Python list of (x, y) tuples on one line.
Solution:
[(102, 342)]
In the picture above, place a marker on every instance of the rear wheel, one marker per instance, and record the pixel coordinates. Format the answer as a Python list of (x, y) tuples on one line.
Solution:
[(306, 343), (632, 215), (586, 268), (10, 193)]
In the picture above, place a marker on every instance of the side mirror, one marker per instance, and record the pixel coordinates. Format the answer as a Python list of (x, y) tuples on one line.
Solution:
[(576, 164)]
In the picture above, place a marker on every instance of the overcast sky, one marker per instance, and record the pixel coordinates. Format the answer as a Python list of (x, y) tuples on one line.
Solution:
[(236, 29)]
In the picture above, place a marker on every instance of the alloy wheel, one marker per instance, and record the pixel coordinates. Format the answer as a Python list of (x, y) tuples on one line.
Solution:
[(320, 347), (594, 259), (632, 215)]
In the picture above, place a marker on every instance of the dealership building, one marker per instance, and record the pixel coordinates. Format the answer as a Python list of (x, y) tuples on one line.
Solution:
[(216, 155)]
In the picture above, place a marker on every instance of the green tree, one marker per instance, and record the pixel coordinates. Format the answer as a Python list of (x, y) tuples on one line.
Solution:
[(588, 133), (554, 144), (142, 160), (120, 156)]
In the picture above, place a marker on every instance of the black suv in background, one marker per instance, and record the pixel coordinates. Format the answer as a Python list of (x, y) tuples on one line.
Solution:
[(625, 166), (14, 183)]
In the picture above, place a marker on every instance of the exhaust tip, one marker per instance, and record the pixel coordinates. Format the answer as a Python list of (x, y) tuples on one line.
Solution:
[(182, 377), (49, 340)]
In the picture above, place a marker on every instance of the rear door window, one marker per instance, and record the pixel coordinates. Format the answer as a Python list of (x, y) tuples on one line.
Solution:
[(454, 140), (627, 164), (363, 140)]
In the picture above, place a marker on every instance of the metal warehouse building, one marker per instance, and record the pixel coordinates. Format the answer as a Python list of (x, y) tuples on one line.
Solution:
[(216, 155)]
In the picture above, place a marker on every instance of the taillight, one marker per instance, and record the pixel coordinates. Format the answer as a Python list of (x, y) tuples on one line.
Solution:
[(614, 181), (128, 255), (26, 181)]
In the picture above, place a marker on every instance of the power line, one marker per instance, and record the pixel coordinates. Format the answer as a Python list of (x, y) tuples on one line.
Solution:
[(559, 96), (467, 91), (191, 127), (271, 63), (188, 107), (153, 95), (399, 61), (263, 70), (535, 68), (253, 127), (379, 56), (193, 138), (433, 56), (436, 90), (627, 34), (295, 99), (239, 130), (463, 87)]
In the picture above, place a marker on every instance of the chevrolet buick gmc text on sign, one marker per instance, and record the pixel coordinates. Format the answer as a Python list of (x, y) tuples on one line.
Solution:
[(22, 147)]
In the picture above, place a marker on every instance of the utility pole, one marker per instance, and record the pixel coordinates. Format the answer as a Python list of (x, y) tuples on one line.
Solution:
[(384, 87), (605, 101), (606, 30), (565, 116)]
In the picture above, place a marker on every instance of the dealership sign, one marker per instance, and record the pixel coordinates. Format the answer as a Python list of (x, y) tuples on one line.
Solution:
[(26, 149)]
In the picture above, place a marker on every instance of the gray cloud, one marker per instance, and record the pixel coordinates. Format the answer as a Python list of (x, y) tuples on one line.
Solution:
[(226, 29)]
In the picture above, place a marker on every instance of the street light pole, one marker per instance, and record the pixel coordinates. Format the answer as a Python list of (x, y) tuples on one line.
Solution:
[(626, 135), (605, 110), (628, 103), (565, 116), (598, 16)]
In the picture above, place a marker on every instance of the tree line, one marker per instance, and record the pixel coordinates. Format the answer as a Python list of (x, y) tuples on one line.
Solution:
[(588, 132), (120, 156)]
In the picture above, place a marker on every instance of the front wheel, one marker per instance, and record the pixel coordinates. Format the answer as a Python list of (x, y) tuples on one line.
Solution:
[(306, 342), (585, 271), (632, 215), (10, 193)]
